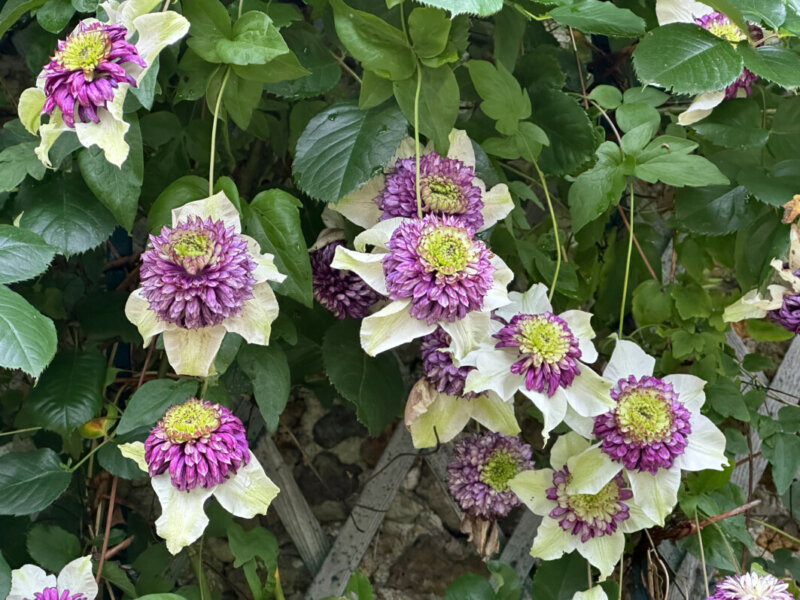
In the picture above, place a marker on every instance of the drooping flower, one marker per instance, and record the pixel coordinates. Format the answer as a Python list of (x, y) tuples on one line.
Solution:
[(199, 449), (438, 409), (84, 85), (541, 355), (200, 278), (479, 474), (74, 582), (654, 430), (343, 293), (751, 586), (593, 524), (448, 186), (783, 305), (435, 273)]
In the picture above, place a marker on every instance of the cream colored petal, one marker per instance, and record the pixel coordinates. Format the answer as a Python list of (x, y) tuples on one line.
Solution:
[(218, 207), (753, 306), (406, 150), (182, 519), (254, 323), (157, 31), (680, 11), (794, 248), (705, 448), (495, 414), (192, 351), (378, 235), (702, 106), (590, 394), (637, 520), (532, 302), (461, 147), (29, 108), (265, 263), (360, 207), (580, 323), (628, 359), (591, 470), (332, 219), (249, 492), (50, 132), (689, 389), (580, 425), (137, 311), (125, 12), (603, 552), (551, 541), (656, 494), (327, 236), (467, 333), (553, 408), (787, 275), (531, 488), (134, 451), (493, 372), (390, 327), (596, 593), (109, 133), (497, 204), (445, 417), (497, 296), (367, 266), (566, 445), (77, 577), (29, 580)]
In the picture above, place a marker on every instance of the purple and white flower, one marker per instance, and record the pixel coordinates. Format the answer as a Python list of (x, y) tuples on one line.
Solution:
[(200, 278), (654, 431), (438, 409), (751, 586), (482, 467), (84, 85), (435, 273), (542, 355), (593, 524), (448, 186), (74, 582), (199, 449)]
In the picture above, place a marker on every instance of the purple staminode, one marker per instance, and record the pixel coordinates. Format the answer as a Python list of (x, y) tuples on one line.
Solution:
[(343, 293)]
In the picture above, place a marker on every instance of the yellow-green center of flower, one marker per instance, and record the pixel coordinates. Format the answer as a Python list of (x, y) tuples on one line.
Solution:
[(543, 339), (441, 195), (728, 32), (644, 415), (191, 245), (83, 51), (601, 505), (189, 421), (446, 250), (499, 470)]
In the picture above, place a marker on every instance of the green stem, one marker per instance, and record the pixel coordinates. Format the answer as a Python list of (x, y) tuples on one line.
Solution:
[(204, 388), (555, 229), (214, 131), (197, 563), (627, 265), (621, 574), (16, 431), (777, 530), (278, 589), (416, 139), (85, 458), (589, 574), (702, 552)]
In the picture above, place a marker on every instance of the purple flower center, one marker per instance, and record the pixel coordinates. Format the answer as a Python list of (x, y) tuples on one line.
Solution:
[(481, 468), (589, 515), (751, 586), (343, 293), (649, 427), (437, 264), (445, 187), (438, 365), (200, 443), (86, 69), (548, 351), (197, 274), (52, 594)]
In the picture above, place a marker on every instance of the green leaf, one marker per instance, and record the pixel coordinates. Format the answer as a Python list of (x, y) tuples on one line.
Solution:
[(734, 124), (342, 147), (767, 331), (274, 221), (240, 97), (784, 139), (503, 98), (186, 189), (52, 547), (22, 254), (651, 306), (773, 186), (359, 585), (152, 400), (771, 12), (111, 459), (31, 481), (469, 586), (256, 41), (606, 96), (5, 577), (691, 301), (16, 162), (322, 70), (67, 215), (714, 210), (559, 579), (255, 543), (602, 18), (598, 189), (373, 385), (686, 59), (509, 31), (119, 577), (55, 15), (752, 260), (13, 9), (373, 42), (27, 338), (571, 135), (268, 370), (438, 103), (69, 393), (635, 114), (482, 8), (782, 450), (209, 24), (429, 29), (779, 65), (680, 170), (117, 188), (375, 90)]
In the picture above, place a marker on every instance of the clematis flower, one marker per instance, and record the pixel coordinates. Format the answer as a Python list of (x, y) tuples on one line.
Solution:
[(200, 278), (197, 450), (689, 11), (343, 293), (448, 186), (593, 524), (751, 586), (435, 273), (596, 593), (438, 408), (653, 432), (74, 582), (783, 305), (542, 355), (84, 85)]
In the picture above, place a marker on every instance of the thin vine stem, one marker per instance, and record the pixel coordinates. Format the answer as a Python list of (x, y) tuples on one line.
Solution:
[(621, 575), (555, 230), (627, 264), (416, 140), (214, 131), (90, 453), (702, 552), (777, 530), (16, 431)]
